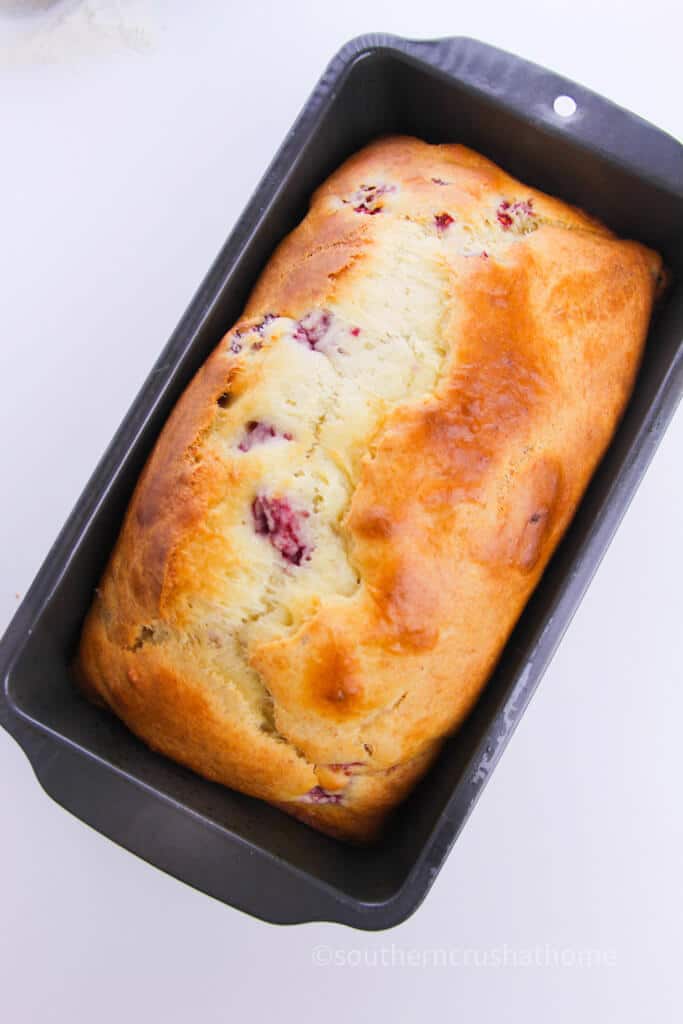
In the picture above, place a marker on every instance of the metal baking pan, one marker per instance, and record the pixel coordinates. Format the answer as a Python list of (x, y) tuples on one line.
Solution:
[(237, 849)]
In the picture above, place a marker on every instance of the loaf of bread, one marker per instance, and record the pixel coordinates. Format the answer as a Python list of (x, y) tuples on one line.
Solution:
[(354, 498)]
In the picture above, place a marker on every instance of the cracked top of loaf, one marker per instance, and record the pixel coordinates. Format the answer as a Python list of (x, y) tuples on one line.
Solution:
[(352, 501)]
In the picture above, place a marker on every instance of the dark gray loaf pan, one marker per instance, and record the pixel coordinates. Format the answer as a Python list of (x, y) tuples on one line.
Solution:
[(237, 849)]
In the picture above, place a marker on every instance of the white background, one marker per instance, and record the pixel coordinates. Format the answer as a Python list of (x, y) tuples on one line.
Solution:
[(132, 135)]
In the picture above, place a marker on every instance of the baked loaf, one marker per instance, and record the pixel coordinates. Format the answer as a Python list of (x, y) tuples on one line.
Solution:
[(354, 498)]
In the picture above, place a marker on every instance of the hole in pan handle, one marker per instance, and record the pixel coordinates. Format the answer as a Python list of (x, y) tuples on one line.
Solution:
[(533, 91)]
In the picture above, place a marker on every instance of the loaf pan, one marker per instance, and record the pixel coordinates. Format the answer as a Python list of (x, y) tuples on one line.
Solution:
[(241, 850)]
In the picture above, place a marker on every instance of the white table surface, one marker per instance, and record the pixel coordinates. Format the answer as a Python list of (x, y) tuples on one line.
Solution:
[(132, 134)]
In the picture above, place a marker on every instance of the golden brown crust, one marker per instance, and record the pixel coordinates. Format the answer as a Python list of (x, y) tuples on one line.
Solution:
[(457, 495)]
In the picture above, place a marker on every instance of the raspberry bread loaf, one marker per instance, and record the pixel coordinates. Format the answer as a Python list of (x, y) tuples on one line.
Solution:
[(354, 498)]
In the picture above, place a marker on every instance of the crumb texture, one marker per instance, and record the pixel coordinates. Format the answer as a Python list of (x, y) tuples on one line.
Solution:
[(353, 500)]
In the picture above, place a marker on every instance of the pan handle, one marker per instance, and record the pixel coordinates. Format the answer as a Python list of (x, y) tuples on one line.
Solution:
[(531, 91)]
